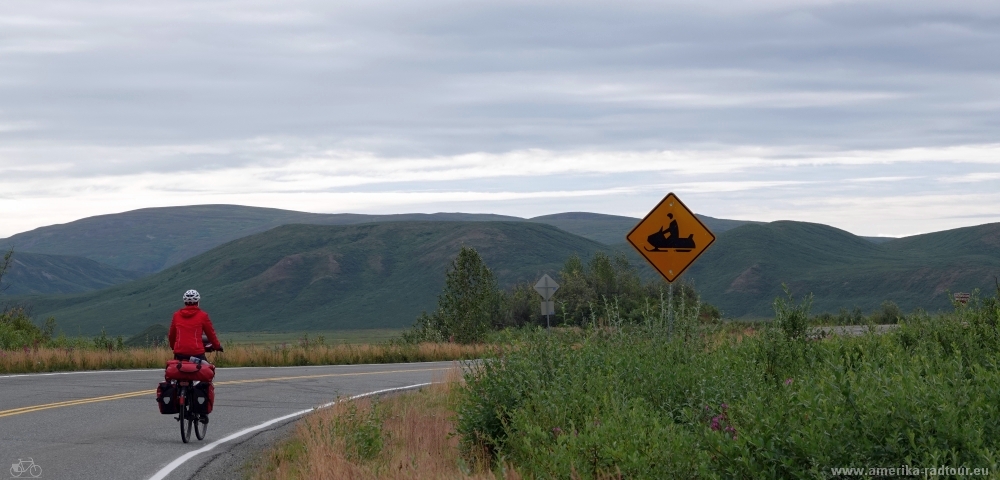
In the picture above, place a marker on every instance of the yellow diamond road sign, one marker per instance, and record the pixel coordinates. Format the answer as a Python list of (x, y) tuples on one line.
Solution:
[(670, 237)]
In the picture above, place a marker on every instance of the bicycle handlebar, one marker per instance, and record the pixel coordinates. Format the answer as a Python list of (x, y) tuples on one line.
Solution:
[(208, 346)]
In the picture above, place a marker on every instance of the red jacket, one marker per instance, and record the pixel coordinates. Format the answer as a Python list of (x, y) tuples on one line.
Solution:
[(186, 329)]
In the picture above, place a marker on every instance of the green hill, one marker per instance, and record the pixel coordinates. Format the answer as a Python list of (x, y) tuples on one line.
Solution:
[(743, 272), (151, 239), (611, 229), (606, 229), (37, 273), (301, 277)]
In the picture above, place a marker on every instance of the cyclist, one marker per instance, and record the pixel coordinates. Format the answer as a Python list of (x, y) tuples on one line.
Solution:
[(187, 327)]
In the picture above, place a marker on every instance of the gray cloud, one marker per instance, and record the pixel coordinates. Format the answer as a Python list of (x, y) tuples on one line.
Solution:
[(111, 89), (455, 76)]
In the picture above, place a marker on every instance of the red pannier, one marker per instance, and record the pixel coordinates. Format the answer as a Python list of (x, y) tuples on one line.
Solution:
[(166, 398), (185, 370), (203, 399)]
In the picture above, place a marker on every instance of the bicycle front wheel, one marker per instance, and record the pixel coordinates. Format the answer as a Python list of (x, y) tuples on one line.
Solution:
[(200, 428)]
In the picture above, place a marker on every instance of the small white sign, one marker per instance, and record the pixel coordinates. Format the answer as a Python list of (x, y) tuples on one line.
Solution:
[(546, 287), (548, 307)]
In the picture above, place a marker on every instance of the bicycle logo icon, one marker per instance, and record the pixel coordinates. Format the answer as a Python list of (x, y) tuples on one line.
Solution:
[(22, 467)]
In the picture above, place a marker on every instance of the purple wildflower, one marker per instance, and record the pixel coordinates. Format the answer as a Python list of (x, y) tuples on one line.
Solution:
[(788, 381)]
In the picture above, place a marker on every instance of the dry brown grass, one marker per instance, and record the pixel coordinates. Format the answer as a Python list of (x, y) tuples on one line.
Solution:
[(64, 359), (418, 442)]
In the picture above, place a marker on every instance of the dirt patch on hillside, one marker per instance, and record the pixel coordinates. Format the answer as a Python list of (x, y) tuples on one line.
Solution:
[(482, 239), (749, 281), (314, 266), (375, 262)]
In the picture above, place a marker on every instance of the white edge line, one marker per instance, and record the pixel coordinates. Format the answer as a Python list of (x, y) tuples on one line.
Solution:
[(76, 372), (160, 475)]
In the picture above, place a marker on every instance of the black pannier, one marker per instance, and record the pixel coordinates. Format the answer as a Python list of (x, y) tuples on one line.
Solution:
[(204, 397), (166, 398)]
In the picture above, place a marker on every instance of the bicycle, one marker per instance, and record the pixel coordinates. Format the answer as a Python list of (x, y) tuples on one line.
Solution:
[(22, 467), (199, 421), (187, 416)]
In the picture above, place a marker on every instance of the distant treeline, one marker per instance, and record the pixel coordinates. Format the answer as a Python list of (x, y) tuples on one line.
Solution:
[(604, 290)]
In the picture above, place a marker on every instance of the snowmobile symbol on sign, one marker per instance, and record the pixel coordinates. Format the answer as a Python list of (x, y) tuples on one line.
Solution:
[(659, 240), (664, 240)]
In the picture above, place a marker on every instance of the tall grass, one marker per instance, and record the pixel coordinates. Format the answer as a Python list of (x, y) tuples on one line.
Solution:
[(777, 403), (408, 436), (43, 359)]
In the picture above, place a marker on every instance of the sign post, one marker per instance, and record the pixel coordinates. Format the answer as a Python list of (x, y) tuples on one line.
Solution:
[(670, 237), (546, 287)]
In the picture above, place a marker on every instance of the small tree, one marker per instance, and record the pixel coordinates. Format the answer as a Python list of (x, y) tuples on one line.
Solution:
[(470, 305), (791, 318)]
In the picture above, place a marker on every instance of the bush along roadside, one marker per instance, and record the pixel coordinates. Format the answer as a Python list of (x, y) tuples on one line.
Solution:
[(638, 402)]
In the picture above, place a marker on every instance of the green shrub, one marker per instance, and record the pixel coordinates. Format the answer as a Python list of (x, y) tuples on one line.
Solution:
[(360, 430), (642, 403), (18, 331)]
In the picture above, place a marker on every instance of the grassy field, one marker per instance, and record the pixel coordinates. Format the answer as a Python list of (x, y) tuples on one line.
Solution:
[(330, 337), (29, 360)]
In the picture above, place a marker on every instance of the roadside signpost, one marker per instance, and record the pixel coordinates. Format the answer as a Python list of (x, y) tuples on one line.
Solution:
[(962, 298), (670, 237), (546, 287)]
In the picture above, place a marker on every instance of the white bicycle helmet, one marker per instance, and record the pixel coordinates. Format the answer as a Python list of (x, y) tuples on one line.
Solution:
[(191, 297)]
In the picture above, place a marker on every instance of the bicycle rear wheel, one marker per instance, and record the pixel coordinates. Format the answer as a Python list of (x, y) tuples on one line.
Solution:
[(185, 417)]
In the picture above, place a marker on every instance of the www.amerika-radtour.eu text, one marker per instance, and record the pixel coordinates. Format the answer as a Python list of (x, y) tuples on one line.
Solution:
[(908, 471)]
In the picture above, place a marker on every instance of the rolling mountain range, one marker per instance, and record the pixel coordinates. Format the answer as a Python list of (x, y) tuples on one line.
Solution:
[(383, 274), (743, 271), (301, 277), (151, 239)]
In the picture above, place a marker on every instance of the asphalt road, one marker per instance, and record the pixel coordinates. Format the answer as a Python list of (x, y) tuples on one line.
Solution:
[(105, 425)]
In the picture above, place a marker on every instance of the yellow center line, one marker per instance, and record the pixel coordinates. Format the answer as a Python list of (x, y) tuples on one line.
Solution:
[(70, 403)]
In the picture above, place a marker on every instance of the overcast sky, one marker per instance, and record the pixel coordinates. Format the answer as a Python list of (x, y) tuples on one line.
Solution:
[(881, 118)]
